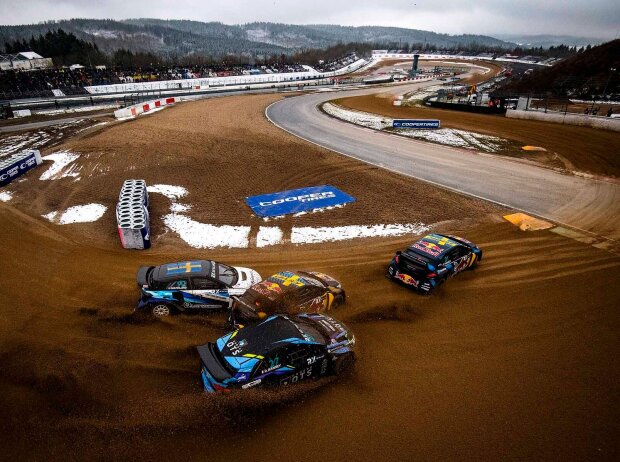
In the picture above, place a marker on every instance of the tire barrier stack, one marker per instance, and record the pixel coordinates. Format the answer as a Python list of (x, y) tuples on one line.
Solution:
[(18, 164), (132, 215)]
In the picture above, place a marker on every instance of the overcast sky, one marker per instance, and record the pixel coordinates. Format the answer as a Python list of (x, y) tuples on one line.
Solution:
[(590, 18)]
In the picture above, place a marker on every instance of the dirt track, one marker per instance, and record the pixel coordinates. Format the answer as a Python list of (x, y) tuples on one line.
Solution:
[(515, 360)]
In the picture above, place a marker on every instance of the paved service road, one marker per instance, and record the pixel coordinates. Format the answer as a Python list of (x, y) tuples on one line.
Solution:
[(582, 203)]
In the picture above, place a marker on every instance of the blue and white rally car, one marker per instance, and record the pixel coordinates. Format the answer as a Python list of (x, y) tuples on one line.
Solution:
[(281, 350), (191, 286)]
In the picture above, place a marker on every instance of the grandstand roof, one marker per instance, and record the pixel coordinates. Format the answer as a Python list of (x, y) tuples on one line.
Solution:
[(24, 55)]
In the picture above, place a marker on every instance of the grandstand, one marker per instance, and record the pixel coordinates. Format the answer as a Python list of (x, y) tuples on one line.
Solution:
[(19, 84)]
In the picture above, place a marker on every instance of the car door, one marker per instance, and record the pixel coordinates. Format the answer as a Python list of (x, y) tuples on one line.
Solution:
[(460, 258), (207, 293), (177, 290), (297, 357), (313, 299), (272, 368)]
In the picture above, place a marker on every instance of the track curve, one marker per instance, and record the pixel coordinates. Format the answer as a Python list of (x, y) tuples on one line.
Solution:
[(582, 203)]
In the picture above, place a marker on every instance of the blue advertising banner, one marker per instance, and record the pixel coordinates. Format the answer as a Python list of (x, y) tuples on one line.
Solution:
[(297, 200), (416, 123), (16, 165)]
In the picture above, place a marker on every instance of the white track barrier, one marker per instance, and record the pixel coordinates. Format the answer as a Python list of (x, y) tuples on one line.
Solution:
[(141, 108)]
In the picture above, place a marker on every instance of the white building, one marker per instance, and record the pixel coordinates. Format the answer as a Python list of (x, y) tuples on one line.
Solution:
[(24, 61)]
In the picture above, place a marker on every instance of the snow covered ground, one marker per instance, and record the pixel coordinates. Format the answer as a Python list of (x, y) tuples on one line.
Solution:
[(78, 214), (61, 160), (445, 136), (313, 235), (37, 139), (99, 107), (171, 192), (207, 236)]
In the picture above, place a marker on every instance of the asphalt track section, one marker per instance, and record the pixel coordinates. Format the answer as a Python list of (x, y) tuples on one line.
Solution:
[(578, 202)]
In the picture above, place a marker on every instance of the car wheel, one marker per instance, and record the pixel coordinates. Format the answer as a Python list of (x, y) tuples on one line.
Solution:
[(338, 300), (344, 363), (161, 311)]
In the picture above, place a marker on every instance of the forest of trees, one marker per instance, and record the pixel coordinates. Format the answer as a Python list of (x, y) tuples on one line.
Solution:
[(65, 48)]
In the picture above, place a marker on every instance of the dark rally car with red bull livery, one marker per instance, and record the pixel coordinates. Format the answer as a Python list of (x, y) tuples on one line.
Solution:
[(429, 262), (287, 292)]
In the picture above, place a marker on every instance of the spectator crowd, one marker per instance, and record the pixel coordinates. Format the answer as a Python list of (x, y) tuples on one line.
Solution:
[(71, 81)]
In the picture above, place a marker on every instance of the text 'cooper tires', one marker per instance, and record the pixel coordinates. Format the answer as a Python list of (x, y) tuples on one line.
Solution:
[(343, 364), (161, 310)]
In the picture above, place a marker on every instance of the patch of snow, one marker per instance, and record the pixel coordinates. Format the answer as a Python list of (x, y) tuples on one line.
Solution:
[(457, 138), (100, 107), (446, 136), (170, 191), (50, 216), (92, 126), (179, 208), (268, 235), (78, 214), (61, 159), (310, 235), (5, 196), (205, 236), (82, 214), (359, 118)]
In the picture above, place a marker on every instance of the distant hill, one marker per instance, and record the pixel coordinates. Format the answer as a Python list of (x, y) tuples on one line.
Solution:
[(546, 41), (584, 74), (171, 38)]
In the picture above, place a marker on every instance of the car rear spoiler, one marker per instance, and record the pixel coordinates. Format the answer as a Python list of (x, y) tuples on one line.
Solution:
[(211, 362), (143, 275)]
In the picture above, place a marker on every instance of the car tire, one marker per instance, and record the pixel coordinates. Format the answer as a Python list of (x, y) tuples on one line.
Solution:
[(161, 310), (343, 364), (339, 299)]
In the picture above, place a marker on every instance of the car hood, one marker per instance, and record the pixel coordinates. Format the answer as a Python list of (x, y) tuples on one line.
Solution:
[(247, 278)]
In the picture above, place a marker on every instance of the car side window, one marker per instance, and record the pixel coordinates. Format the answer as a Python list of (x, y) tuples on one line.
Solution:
[(296, 356), (205, 284), (180, 284), (460, 251), (305, 294)]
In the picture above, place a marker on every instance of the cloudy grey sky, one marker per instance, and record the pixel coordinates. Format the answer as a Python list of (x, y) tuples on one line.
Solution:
[(592, 18)]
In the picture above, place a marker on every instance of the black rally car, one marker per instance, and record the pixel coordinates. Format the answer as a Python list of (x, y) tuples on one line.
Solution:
[(287, 292), (429, 262)]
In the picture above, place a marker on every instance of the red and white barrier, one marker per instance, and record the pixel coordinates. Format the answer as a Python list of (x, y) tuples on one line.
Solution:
[(141, 108)]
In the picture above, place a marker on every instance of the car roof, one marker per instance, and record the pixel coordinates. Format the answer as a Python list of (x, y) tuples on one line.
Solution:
[(434, 246), (285, 282), (252, 343), (179, 270)]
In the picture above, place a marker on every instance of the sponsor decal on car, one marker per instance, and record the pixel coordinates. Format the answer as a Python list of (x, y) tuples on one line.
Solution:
[(286, 278), (184, 267), (407, 279), (428, 247)]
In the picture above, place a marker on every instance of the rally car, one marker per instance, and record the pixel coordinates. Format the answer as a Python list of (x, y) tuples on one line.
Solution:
[(280, 350), (191, 286), (428, 263), (287, 292)]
